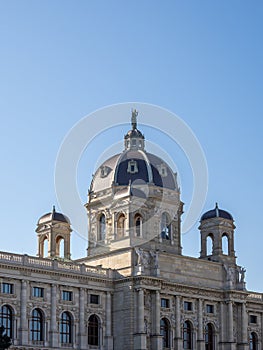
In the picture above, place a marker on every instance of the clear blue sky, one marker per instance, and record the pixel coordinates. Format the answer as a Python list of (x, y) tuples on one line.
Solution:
[(61, 60)]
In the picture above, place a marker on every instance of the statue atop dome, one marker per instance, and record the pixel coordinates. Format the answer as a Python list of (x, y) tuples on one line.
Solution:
[(134, 119)]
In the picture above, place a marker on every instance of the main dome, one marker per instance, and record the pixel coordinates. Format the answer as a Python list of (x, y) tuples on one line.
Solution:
[(134, 166)]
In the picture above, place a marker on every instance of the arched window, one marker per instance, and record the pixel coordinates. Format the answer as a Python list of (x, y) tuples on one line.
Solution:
[(36, 325), (60, 246), (121, 226), (209, 245), (187, 335), (209, 337), (138, 225), (45, 248), (102, 228), (253, 341), (165, 226), (65, 328), (6, 319), (93, 330), (225, 244), (165, 332)]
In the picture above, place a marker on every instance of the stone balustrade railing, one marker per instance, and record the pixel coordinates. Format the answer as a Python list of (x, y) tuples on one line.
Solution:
[(53, 264), (255, 296)]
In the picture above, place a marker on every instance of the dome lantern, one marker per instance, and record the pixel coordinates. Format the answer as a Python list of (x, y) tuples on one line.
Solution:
[(134, 139)]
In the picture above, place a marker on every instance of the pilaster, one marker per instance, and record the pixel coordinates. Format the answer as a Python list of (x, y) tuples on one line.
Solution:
[(156, 339), (200, 332), (178, 336), (82, 335), (23, 314), (140, 336), (53, 321), (109, 337), (244, 324)]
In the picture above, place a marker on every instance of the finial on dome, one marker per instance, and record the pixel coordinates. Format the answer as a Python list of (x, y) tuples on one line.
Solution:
[(54, 209), (217, 211), (134, 119)]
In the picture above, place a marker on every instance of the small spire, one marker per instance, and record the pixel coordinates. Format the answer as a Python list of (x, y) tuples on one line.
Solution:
[(134, 119), (54, 209)]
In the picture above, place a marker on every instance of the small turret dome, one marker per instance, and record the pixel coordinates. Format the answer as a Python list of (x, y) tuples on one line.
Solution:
[(216, 213), (53, 215)]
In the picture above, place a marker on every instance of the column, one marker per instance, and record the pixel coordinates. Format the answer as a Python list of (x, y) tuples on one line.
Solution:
[(140, 311), (67, 247), (157, 312), (178, 334), (82, 339), (23, 316), (53, 317), (244, 325), (203, 252), (156, 338), (140, 335), (177, 317), (230, 322), (109, 338), (231, 245), (200, 332), (222, 333), (172, 233), (108, 314)]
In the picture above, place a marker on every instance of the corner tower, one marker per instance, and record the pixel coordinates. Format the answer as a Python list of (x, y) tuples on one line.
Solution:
[(216, 226), (54, 231), (134, 200)]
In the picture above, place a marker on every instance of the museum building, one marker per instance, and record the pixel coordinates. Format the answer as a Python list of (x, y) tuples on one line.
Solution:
[(134, 290)]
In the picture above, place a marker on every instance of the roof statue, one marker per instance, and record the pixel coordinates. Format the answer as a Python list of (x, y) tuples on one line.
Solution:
[(134, 119)]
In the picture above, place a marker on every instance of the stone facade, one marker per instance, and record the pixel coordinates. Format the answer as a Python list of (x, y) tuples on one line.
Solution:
[(135, 290)]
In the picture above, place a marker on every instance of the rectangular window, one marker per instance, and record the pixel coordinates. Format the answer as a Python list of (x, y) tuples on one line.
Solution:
[(165, 303), (252, 319), (7, 288), (188, 306), (38, 292), (66, 295), (210, 309), (94, 299)]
